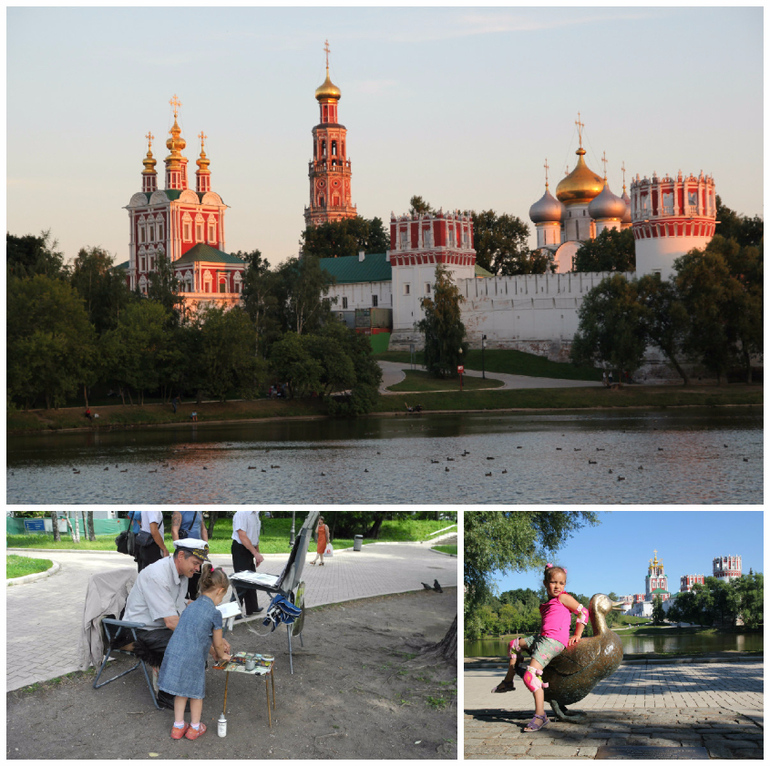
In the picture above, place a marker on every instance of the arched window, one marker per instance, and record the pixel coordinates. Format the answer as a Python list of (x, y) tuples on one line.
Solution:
[(187, 228), (237, 280), (223, 283), (334, 148), (212, 229), (199, 228), (207, 282)]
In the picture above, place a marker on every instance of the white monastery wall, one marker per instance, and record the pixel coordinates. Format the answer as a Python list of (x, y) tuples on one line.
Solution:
[(359, 295)]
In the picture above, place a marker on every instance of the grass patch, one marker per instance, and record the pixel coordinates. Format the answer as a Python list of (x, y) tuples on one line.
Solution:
[(508, 361), (580, 398), (274, 537), (18, 566), (446, 549), (419, 380)]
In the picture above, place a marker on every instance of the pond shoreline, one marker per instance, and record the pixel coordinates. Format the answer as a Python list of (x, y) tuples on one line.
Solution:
[(728, 656), (304, 417)]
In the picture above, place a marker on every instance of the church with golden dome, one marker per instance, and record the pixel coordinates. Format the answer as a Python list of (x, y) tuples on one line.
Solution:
[(583, 207)]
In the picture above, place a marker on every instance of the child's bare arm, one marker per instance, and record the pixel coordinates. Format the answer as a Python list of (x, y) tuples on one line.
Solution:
[(220, 646)]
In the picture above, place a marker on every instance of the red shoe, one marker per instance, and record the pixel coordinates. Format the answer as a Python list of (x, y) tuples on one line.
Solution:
[(195, 733), (177, 733)]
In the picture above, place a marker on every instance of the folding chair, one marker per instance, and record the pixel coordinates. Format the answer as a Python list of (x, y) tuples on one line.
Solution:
[(112, 629), (288, 584)]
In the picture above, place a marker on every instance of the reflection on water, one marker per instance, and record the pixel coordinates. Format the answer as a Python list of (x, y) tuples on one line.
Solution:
[(696, 643), (684, 456)]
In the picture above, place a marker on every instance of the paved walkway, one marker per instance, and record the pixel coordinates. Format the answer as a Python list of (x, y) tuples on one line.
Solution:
[(43, 618), (393, 372), (716, 705)]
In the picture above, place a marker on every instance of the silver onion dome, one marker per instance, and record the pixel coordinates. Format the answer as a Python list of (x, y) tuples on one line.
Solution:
[(547, 209), (627, 215), (607, 205)]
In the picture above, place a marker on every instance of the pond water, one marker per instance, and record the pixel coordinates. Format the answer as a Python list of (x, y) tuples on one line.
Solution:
[(694, 455), (696, 643)]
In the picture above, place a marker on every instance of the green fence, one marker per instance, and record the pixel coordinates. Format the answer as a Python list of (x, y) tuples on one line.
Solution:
[(14, 526)]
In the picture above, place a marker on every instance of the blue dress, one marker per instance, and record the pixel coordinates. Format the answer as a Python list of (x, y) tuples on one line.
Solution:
[(183, 672)]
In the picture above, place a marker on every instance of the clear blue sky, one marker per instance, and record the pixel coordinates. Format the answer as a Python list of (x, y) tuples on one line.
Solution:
[(459, 105), (615, 554)]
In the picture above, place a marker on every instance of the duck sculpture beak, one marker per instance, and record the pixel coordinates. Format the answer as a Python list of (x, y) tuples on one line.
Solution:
[(617, 606)]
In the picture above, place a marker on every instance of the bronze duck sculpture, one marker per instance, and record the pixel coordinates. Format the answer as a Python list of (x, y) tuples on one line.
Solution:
[(572, 674)]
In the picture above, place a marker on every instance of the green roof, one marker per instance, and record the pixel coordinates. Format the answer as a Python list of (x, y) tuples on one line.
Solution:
[(123, 265), (208, 254), (347, 269), (482, 272)]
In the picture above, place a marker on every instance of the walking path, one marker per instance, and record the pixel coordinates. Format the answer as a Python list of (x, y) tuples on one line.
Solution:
[(393, 372), (44, 617), (716, 705)]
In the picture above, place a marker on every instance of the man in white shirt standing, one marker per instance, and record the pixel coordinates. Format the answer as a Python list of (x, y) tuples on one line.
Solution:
[(246, 555), (152, 526)]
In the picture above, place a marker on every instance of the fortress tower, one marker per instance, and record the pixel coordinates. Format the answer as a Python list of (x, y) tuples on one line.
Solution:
[(671, 216), (727, 568), (329, 170), (417, 244)]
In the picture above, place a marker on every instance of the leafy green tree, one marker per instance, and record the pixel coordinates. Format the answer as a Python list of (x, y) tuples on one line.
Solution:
[(261, 300), (501, 247), (419, 206), (612, 250), (611, 329), (138, 349), (498, 542), (28, 256), (228, 359), (102, 287), (293, 363), (164, 288), (442, 326), (665, 319), (721, 289), (51, 345), (658, 615), (301, 289), (750, 593), (344, 238), (747, 232)]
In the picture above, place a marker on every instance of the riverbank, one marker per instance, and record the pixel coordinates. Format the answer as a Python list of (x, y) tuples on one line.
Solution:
[(118, 417)]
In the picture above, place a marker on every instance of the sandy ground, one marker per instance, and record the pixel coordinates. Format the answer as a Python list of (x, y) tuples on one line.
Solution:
[(358, 691)]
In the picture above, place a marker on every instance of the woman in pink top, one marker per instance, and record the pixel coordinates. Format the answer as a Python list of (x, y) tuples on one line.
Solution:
[(553, 638)]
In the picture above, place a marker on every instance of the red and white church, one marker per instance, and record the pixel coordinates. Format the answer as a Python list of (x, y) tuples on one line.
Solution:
[(185, 226)]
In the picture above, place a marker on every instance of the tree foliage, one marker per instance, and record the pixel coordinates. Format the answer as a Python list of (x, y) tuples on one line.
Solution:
[(746, 231), (300, 290), (442, 326), (612, 250), (658, 615), (717, 602), (501, 247), (345, 238), (611, 329), (29, 256), (498, 542), (51, 345)]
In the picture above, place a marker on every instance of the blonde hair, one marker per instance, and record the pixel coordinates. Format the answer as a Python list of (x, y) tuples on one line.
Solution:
[(212, 578)]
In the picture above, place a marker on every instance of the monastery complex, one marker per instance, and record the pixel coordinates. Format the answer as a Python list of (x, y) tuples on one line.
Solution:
[(669, 215)]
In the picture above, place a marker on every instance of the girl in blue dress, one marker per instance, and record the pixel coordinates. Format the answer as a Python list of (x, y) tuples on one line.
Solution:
[(198, 632)]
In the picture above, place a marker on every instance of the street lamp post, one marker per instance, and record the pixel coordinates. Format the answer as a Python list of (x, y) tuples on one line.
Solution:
[(483, 371)]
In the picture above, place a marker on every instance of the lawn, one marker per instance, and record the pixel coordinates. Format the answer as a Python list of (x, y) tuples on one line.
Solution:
[(274, 536), (18, 566), (419, 380)]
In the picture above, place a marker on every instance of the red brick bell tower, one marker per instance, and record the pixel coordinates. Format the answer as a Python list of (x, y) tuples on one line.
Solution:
[(329, 170)]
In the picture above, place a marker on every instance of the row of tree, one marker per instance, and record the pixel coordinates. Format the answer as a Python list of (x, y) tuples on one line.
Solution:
[(709, 311), (717, 602), (73, 328)]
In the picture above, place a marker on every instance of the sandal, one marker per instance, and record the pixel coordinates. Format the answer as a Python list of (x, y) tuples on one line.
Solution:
[(177, 732), (533, 725), (503, 686), (195, 733)]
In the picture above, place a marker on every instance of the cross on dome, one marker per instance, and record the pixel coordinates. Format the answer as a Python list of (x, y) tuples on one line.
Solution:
[(546, 172), (149, 138), (580, 125), (202, 137), (604, 161), (326, 48), (176, 103)]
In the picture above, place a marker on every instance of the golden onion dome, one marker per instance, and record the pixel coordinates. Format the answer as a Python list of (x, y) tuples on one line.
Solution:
[(176, 143), (328, 89), (149, 163), (581, 185)]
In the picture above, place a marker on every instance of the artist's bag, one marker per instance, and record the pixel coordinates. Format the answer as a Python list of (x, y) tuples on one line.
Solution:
[(144, 539)]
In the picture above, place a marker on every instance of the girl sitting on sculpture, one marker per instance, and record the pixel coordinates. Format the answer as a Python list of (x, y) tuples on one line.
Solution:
[(552, 639)]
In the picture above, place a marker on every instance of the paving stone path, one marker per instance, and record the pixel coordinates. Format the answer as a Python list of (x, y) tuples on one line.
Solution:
[(716, 705)]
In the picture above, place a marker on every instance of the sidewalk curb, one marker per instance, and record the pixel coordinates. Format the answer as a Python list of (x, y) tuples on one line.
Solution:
[(469, 664), (32, 577)]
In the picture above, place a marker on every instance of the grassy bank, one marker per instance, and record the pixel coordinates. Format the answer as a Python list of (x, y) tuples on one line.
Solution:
[(18, 566), (274, 535), (119, 416), (512, 362), (580, 398), (419, 380)]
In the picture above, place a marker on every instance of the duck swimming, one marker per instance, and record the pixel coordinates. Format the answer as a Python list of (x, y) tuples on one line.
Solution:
[(573, 673)]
